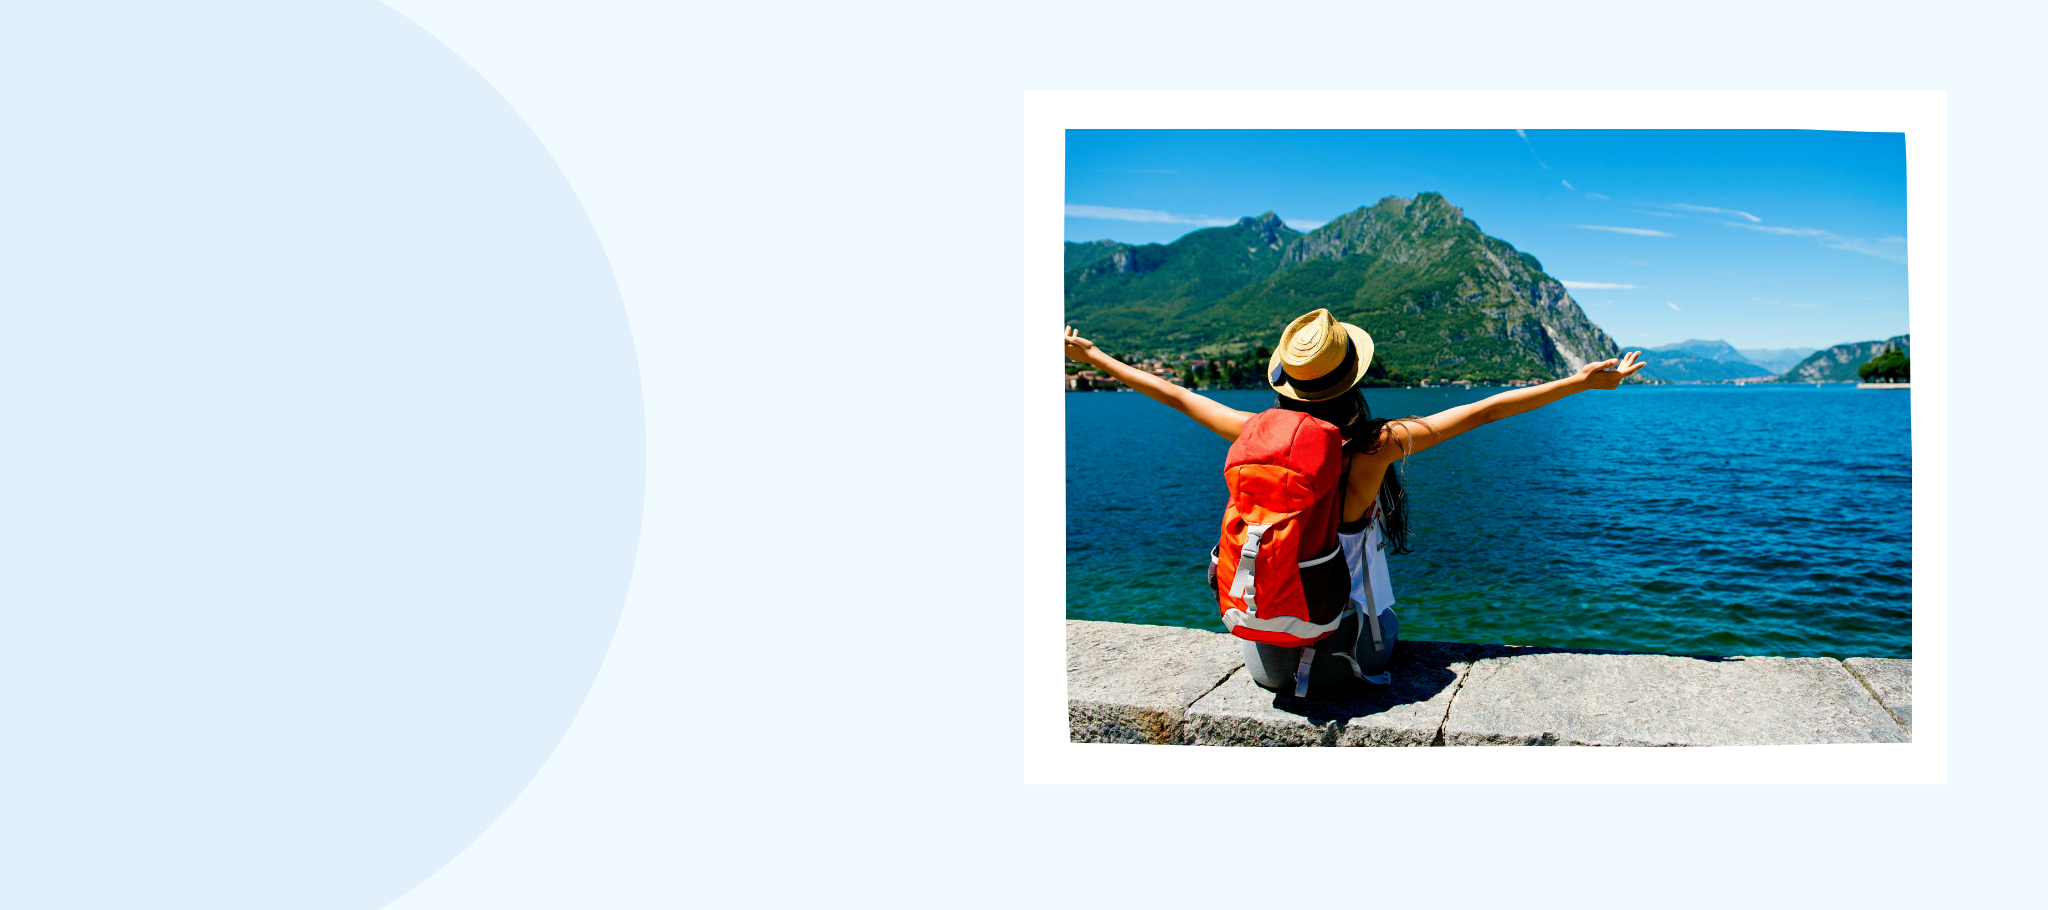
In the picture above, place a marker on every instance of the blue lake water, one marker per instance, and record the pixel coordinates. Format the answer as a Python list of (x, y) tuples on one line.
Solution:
[(1763, 520)]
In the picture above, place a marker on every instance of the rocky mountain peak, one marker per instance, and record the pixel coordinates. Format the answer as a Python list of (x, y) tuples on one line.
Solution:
[(1406, 231), (1268, 225), (1431, 209)]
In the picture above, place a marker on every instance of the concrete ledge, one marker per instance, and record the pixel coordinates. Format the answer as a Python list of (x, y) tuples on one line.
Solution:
[(1161, 684), (1891, 681), (1132, 684), (1620, 699)]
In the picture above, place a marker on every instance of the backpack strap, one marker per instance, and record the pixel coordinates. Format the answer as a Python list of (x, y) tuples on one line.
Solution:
[(1382, 678), (1242, 585), (1356, 670), (1370, 612), (1372, 618), (1343, 482), (1285, 625), (1308, 659)]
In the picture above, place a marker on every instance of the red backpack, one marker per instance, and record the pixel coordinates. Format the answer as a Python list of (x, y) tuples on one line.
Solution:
[(1279, 575)]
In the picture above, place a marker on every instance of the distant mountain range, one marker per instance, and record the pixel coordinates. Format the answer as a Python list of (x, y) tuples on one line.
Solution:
[(1693, 360), (1777, 360), (1839, 363), (1440, 297)]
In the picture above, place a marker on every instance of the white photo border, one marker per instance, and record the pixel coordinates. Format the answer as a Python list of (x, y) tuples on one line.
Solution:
[(1048, 755)]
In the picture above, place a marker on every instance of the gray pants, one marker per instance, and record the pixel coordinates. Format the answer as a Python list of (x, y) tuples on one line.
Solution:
[(1273, 666)]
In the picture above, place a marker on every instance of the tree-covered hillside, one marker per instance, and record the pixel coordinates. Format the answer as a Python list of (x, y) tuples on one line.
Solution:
[(1440, 297), (1839, 363), (1124, 292)]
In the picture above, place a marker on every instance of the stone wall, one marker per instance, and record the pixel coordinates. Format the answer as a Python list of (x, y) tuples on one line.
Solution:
[(1162, 684)]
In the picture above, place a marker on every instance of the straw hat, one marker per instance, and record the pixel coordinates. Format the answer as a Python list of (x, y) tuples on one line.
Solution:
[(1316, 361)]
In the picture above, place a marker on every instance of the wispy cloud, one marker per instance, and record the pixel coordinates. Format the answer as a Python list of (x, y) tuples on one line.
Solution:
[(1892, 248), (1597, 196), (1774, 229), (1673, 306), (1640, 232), (1595, 285), (1714, 211), (1109, 213), (1301, 225), (1568, 185), (1660, 214), (1532, 149)]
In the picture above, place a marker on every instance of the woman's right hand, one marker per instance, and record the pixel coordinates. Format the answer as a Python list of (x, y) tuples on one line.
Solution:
[(1079, 349)]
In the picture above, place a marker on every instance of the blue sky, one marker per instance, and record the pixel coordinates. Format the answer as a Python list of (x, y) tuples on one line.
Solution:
[(1762, 238)]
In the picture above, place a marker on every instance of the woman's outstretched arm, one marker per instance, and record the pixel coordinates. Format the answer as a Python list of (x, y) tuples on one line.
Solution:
[(1224, 421), (1415, 434)]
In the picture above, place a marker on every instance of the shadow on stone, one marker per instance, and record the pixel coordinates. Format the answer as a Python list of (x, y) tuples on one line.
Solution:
[(1407, 713), (1421, 671)]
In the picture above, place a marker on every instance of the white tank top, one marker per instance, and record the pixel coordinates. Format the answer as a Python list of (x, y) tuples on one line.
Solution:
[(1370, 588)]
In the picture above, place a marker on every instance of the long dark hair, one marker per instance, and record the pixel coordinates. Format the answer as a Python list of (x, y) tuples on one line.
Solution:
[(1361, 436)]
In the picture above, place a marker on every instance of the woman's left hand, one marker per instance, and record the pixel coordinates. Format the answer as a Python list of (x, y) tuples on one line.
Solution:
[(1079, 349), (1608, 374)]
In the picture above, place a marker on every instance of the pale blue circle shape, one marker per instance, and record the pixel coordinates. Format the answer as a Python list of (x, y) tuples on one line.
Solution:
[(321, 455)]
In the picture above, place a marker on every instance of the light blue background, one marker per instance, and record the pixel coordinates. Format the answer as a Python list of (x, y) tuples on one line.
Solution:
[(894, 129), (323, 455)]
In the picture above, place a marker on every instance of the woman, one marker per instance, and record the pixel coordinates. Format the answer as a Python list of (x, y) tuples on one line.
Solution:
[(1316, 369)]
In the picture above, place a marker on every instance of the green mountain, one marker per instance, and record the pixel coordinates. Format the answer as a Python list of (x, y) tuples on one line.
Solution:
[(1128, 289), (1084, 253), (1440, 297), (1839, 363)]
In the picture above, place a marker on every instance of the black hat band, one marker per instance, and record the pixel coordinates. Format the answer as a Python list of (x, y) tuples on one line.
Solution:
[(1336, 377)]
